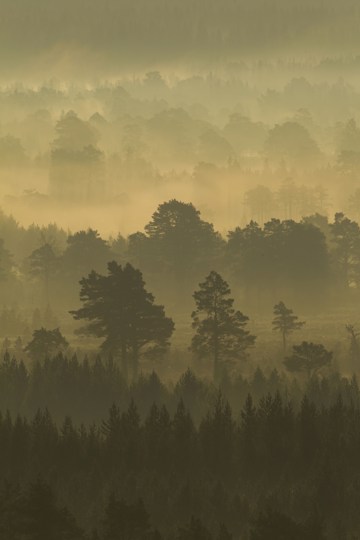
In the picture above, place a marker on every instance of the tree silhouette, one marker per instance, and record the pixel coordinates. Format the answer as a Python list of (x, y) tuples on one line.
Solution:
[(220, 330), (76, 162), (292, 142), (266, 261), (308, 358), (244, 134), (285, 322), (119, 309), (178, 244), (46, 343), (85, 251)]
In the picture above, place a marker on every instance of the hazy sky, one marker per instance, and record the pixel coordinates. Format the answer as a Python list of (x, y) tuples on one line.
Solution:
[(91, 37)]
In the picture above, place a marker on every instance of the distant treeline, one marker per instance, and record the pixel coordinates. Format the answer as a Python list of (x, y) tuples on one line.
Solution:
[(170, 31), (285, 464), (145, 128)]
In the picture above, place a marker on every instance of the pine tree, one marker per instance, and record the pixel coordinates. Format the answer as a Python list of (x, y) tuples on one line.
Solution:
[(308, 358), (46, 343), (285, 322), (119, 309), (220, 330)]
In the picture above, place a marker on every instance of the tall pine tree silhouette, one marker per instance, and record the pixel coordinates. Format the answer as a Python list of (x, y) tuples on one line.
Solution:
[(119, 309), (219, 329)]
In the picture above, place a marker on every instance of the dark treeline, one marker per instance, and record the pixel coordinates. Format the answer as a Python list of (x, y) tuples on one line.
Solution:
[(313, 262), (179, 463), (85, 389)]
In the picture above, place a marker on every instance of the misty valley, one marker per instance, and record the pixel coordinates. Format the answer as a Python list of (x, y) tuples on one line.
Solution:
[(179, 270)]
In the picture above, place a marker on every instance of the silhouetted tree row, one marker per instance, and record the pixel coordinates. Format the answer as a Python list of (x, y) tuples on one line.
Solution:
[(298, 468), (307, 261), (85, 387)]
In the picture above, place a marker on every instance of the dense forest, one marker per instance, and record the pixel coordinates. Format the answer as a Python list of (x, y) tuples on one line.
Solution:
[(179, 270), (280, 461)]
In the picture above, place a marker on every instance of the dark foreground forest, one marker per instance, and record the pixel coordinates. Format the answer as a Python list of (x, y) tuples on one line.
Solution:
[(269, 457)]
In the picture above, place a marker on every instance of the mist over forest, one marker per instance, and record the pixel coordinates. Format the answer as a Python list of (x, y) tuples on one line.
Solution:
[(179, 270), (112, 36)]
